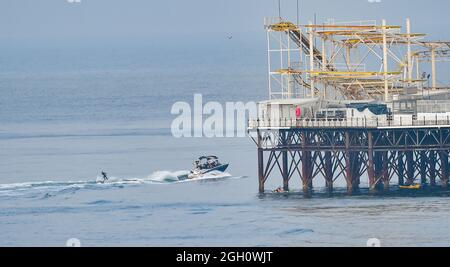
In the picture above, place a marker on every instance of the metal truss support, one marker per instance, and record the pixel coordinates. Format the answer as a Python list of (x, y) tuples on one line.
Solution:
[(382, 156)]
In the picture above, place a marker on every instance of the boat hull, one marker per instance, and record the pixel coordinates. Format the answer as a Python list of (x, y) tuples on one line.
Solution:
[(193, 175), (221, 168)]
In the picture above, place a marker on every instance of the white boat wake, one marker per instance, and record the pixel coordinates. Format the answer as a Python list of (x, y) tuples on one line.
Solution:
[(173, 177), (51, 188), (166, 176)]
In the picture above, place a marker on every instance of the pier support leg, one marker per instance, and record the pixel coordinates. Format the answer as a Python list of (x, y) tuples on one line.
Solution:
[(371, 172), (423, 167), (444, 163), (410, 166), (370, 164), (356, 171), (306, 172), (329, 171), (261, 177), (306, 165), (311, 170), (348, 164), (348, 174), (385, 171), (285, 161), (378, 169), (285, 171), (432, 162), (401, 168)]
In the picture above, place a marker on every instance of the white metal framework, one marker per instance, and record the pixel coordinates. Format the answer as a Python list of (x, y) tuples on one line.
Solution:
[(348, 60)]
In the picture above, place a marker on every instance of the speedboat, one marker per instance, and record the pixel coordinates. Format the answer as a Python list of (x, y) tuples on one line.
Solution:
[(205, 165)]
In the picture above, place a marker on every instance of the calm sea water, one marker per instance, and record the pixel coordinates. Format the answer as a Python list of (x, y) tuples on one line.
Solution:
[(68, 114)]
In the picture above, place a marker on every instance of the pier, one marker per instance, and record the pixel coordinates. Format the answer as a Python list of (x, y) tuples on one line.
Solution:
[(382, 155), (344, 104)]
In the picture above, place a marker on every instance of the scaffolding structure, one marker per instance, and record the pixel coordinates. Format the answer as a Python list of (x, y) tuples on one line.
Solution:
[(363, 60)]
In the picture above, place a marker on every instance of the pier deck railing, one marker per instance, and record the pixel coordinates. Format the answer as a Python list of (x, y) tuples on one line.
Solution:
[(349, 123)]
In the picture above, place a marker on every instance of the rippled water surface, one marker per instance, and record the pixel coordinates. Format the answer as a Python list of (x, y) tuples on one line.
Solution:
[(61, 126)]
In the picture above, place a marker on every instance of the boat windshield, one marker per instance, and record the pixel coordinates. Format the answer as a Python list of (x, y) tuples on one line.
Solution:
[(207, 163)]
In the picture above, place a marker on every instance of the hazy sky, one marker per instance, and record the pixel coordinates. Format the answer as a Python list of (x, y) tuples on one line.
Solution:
[(50, 20)]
